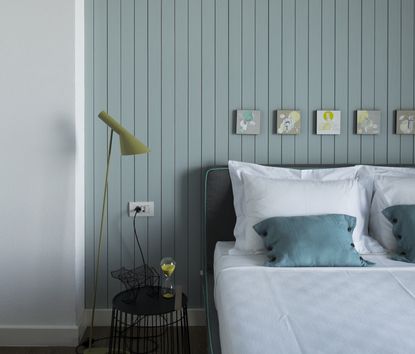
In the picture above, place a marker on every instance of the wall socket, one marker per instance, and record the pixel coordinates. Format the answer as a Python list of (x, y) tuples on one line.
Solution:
[(147, 208)]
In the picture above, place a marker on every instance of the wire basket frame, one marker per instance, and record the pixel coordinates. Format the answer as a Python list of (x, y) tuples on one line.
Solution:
[(136, 278)]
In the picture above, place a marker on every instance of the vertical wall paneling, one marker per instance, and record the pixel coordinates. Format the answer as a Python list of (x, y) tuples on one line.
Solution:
[(288, 74), (171, 112), (175, 71), (221, 81), (181, 142), (394, 78), (208, 82), (275, 78), (89, 153), (129, 250), (127, 117), (140, 114), (355, 77), (195, 137), (328, 71), (314, 79), (100, 138), (407, 73), (301, 79), (154, 127), (381, 78), (261, 82), (341, 77), (114, 108), (235, 76), (248, 72), (368, 73)]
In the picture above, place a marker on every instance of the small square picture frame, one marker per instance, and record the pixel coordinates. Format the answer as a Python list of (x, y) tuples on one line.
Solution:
[(368, 122), (288, 122), (248, 122), (405, 122), (328, 122)]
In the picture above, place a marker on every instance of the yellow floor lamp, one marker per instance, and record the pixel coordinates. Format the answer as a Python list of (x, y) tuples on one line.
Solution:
[(130, 145)]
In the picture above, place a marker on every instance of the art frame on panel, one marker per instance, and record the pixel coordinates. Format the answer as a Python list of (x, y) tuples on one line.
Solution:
[(367, 122), (328, 122), (405, 122), (288, 122), (248, 122)]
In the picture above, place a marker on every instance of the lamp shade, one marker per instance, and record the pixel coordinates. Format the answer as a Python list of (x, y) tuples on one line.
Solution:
[(130, 145)]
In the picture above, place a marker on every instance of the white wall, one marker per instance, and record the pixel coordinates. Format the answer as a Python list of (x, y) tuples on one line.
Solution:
[(41, 172)]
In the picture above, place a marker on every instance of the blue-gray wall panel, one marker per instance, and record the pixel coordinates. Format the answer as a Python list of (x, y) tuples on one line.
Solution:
[(368, 73), (181, 179), (261, 82), (248, 72), (141, 114), (328, 74), (355, 78), (381, 79), (275, 78), (235, 76), (174, 72), (117, 56), (314, 78), (341, 78), (301, 79), (221, 82), (170, 114), (288, 73), (407, 74), (394, 78), (155, 51), (195, 153)]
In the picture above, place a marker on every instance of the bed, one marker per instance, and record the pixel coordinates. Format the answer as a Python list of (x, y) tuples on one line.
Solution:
[(255, 309)]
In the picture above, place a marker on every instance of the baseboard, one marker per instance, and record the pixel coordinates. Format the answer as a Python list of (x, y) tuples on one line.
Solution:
[(69, 336), (59, 336), (103, 317)]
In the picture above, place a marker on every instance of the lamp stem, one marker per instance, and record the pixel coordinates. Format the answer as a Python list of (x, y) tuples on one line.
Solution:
[(104, 204)]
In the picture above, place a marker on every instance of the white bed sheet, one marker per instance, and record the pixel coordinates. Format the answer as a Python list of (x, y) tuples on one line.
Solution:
[(313, 310)]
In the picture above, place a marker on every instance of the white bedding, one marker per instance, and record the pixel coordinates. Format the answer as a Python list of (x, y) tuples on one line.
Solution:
[(313, 310)]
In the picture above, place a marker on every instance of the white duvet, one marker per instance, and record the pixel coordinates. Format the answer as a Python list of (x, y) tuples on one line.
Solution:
[(314, 310)]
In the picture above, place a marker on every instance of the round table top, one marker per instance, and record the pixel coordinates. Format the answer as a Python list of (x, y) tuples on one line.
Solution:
[(148, 301)]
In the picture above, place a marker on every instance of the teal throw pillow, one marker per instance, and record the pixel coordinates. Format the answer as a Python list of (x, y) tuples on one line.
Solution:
[(310, 241), (402, 218)]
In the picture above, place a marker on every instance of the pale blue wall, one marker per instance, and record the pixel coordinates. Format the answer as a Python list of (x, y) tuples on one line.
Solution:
[(174, 70)]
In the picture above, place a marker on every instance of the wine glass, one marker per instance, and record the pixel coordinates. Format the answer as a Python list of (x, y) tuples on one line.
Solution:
[(167, 265)]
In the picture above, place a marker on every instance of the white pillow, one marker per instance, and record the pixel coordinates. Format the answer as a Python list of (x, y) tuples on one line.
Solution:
[(389, 191), (386, 171), (265, 198), (236, 169)]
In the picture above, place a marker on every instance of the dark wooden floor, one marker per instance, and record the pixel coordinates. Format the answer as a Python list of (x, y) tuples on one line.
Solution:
[(198, 344)]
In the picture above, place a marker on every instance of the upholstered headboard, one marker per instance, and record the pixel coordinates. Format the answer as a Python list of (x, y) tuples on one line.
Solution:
[(219, 212)]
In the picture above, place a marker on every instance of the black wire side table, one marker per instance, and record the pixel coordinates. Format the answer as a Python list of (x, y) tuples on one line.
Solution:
[(145, 322)]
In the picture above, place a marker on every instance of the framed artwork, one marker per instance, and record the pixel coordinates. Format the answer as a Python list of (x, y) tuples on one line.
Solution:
[(328, 122), (288, 122), (248, 122), (368, 122), (405, 121)]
